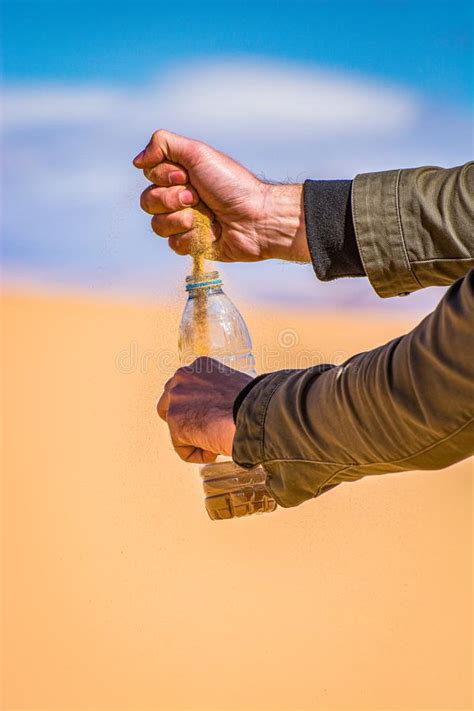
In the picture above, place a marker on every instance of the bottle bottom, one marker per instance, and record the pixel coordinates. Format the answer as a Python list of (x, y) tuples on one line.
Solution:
[(233, 492)]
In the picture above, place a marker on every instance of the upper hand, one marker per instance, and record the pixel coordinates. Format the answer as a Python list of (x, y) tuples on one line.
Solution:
[(252, 220), (197, 403)]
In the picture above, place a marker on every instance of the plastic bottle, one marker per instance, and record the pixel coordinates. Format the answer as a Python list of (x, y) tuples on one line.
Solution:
[(211, 325)]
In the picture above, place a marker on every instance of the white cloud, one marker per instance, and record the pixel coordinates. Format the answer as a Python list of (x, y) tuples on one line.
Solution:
[(243, 96), (262, 97), (57, 104)]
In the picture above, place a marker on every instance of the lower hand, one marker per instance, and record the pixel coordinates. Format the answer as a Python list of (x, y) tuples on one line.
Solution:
[(197, 403), (252, 220)]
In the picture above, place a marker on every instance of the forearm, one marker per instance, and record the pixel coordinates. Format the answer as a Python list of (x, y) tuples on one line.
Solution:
[(404, 229), (283, 228), (406, 405), (313, 223)]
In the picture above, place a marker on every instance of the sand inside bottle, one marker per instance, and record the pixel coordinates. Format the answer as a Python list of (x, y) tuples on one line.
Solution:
[(201, 249)]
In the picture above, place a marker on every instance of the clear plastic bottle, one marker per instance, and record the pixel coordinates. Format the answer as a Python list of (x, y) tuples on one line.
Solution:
[(211, 325)]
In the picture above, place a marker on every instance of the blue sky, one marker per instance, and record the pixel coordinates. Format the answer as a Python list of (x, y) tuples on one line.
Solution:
[(292, 89), (426, 45)]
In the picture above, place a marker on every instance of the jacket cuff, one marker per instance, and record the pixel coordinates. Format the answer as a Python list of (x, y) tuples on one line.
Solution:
[(379, 234), (243, 394), (330, 230), (248, 445)]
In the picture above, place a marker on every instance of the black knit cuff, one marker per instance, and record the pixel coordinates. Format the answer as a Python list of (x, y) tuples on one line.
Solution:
[(330, 230)]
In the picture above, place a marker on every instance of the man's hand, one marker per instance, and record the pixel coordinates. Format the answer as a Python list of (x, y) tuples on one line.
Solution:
[(252, 220), (197, 404)]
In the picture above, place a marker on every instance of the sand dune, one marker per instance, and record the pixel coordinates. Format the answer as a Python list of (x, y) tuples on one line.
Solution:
[(120, 593)]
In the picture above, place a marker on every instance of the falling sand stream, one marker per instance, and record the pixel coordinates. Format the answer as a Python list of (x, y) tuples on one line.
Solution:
[(200, 251)]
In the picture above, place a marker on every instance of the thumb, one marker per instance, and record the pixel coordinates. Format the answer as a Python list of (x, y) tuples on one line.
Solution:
[(164, 145)]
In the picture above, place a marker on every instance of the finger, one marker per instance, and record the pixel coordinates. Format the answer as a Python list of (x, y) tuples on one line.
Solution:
[(185, 449), (183, 244), (155, 200), (180, 244), (163, 406), (194, 455), (166, 174), (164, 401), (173, 224), (165, 145)]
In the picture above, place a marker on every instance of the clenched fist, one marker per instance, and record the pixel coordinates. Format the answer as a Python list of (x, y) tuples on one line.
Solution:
[(252, 220), (197, 403)]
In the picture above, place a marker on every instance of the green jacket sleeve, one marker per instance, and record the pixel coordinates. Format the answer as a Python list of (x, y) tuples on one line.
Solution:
[(414, 228), (405, 405)]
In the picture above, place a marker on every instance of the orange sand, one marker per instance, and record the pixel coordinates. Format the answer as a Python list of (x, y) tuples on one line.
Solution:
[(120, 593), (200, 251)]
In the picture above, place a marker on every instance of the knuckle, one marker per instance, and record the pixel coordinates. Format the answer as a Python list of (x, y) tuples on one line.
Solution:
[(168, 199), (156, 224), (168, 384), (178, 246), (177, 175), (182, 454), (187, 218), (156, 174), (174, 418), (146, 200), (160, 136), (143, 199), (173, 226)]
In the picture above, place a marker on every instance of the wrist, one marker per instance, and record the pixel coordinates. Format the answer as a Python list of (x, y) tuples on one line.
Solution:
[(283, 224)]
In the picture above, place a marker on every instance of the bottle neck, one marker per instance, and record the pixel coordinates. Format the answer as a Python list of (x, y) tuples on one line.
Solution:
[(208, 282)]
